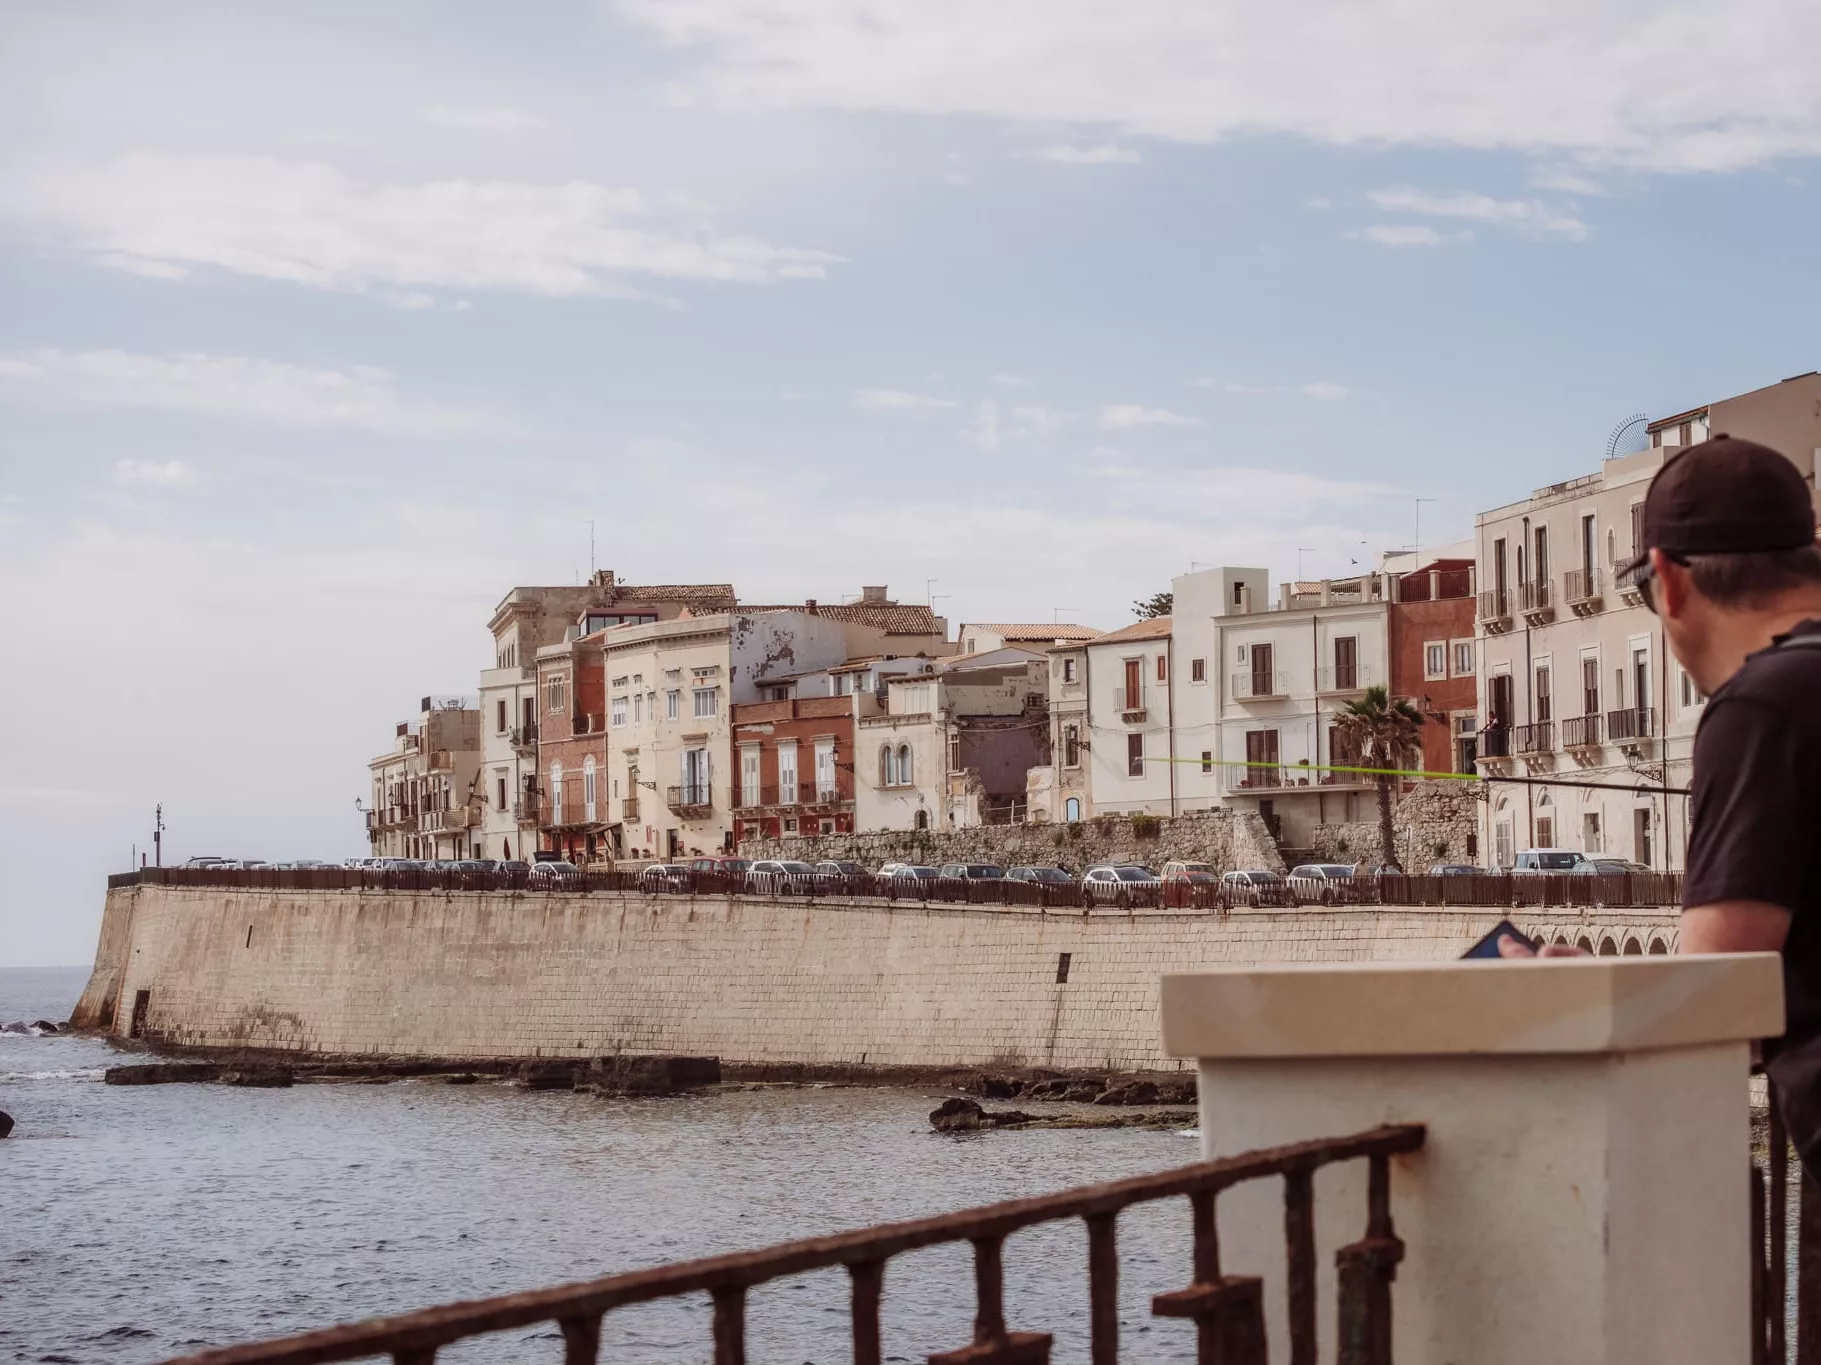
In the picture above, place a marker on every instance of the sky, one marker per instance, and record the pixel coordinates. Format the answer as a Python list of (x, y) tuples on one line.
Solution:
[(324, 325)]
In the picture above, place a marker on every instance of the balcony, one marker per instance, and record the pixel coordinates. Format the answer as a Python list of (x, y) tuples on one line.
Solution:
[(1260, 685), (693, 800), (1494, 744), (1581, 732), (1341, 679), (1632, 728), (1536, 602), (788, 794), (1581, 591), (442, 761), (576, 814), (1495, 609), (446, 821), (524, 738), (1627, 584), (587, 723), (629, 809), (1130, 704), (1534, 739), (526, 810), (1293, 777)]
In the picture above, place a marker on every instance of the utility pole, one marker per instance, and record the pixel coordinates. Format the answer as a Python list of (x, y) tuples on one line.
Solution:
[(158, 836)]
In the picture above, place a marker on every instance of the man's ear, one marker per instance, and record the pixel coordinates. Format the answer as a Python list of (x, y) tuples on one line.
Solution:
[(1673, 587)]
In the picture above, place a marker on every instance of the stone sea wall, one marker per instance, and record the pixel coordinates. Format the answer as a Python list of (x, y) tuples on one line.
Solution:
[(861, 983)]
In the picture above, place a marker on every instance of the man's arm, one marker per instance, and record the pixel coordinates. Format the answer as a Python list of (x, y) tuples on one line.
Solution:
[(1734, 927)]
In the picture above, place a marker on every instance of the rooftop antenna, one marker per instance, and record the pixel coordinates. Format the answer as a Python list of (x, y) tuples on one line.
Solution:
[(1416, 550), (1618, 432), (591, 547), (929, 585)]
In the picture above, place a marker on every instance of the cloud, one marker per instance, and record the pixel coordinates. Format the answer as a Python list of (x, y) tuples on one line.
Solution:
[(1322, 390), (1526, 216), (1035, 422), (896, 400), (1010, 381), (1566, 182), (984, 433), (1581, 80), (167, 473), (1406, 234), (1100, 154), (1118, 416), (229, 386), (492, 120), (315, 225)]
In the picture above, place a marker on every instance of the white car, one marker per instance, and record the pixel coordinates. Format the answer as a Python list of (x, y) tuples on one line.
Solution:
[(1254, 886), (1324, 884), (1122, 884), (1533, 860)]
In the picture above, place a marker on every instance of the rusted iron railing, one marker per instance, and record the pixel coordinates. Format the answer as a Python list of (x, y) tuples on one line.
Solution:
[(1771, 1250), (1228, 1310), (1529, 891)]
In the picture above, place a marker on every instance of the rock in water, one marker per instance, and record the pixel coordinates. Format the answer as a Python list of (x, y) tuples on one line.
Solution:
[(999, 1087), (1130, 1092), (44, 1026), (163, 1073), (959, 1115), (15, 1026), (258, 1077), (6, 1123), (547, 1076)]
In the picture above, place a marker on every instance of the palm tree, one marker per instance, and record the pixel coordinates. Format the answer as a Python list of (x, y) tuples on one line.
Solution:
[(1383, 733)]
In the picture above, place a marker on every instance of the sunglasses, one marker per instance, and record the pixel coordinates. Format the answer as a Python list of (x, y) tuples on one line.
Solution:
[(1647, 574)]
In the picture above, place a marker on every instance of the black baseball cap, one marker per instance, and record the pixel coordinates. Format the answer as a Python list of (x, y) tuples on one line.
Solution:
[(1725, 496)]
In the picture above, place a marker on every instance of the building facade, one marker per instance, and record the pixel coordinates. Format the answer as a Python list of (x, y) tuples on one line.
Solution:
[(1575, 677), (1434, 659), (1061, 791), (1130, 738), (423, 793)]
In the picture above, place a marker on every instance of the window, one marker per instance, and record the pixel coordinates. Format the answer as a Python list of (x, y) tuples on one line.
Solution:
[(1162, 669), (616, 712), (1691, 694), (749, 775), (638, 707), (1198, 670), (556, 789), (673, 704), (1134, 755), (697, 777), (1590, 832), (904, 765), (954, 752), (1068, 670), (1207, 760), (1133, 696), (887, 771), (1543, 703), (1071, 746), (1346, 663), (1637, 527), (1539, 565), (1071, 809), (826, 786), (1463, 658), (1435, 660), (1239, 594), (555, 693), (621, 681), (502, 792), (706, 701), (588, 785), (1590, 685), (787, 772), (500, 726)]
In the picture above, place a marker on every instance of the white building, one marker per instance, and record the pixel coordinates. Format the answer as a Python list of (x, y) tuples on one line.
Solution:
[(1576, 679), (423, 793), (1131, 737)]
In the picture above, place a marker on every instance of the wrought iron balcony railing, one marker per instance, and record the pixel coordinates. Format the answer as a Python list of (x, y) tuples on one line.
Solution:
[(1227, 1309)]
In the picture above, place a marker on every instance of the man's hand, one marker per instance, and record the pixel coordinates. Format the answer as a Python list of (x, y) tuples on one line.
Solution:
[(1511, 947)]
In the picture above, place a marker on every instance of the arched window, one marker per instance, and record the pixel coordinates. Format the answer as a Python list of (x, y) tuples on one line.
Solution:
[(1071, 809), (922, 819), (556, 790), (588, 784), (887, 774), (904, 765)]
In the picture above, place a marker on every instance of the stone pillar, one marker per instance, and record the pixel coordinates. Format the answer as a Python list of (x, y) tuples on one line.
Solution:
[(1583, 1193)]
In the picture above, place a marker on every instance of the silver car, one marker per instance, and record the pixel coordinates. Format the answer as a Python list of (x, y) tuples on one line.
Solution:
[(1122, 884)]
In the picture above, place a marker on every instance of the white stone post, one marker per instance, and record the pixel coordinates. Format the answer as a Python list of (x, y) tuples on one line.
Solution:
[(1583, 1193)]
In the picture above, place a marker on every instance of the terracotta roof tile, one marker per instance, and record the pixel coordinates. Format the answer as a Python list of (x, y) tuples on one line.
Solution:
[(1040, 630), (1156, 628), (718, 595), (893, 619)]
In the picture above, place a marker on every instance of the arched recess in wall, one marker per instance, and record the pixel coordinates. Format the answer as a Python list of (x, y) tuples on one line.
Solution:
[(904, 765), (885, 765), (1632, 948), (922, 819), (1071, 810), (1658, 948), (1584, 943), (1608, 948)]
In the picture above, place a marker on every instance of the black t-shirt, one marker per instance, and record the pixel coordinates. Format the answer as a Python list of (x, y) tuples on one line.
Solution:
[(1756, 824)]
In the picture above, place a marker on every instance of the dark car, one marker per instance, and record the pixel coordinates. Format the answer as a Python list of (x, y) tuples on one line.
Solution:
[(554, 876), (1456, 870), (840, 867), (1053, 875), (666, 877)]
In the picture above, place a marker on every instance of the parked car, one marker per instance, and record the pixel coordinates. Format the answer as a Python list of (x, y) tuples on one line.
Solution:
[(1055, 876), (840, 867), (907, 879), (1323, 884), (1122, 884), (974, 872), (1455, 870), (1532, 860), (1191, 888), (206, 860), (1617, 867), (1178, 868), (780, 877), (1254, 886), (663, 877), (553, 875), (514, 870)]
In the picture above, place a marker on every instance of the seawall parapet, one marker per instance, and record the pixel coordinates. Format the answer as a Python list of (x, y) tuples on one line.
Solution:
[(859, 983)]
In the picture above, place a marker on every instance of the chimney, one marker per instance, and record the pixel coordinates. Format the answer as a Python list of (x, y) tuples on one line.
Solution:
[(810, 606), (875, 597)]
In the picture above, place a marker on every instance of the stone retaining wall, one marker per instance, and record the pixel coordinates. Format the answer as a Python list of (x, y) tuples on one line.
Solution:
[(1226, 839), (855, 983), (1435, 822)]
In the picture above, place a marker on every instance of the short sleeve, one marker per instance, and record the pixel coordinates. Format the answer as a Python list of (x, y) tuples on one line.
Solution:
[(1752, 822)]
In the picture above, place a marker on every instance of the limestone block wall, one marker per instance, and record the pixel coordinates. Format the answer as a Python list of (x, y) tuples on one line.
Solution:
[(1431, 816), (1225, 838), (538, 974)]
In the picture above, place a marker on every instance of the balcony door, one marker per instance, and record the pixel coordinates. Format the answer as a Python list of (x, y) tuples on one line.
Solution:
[(825, 771), (1261, 752), (787, 772), (749, 774), (695, 777), (1346, 663), (1264, 659), (1134, 685)]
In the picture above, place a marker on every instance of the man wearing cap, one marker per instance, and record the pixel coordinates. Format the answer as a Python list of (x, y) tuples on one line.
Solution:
[(1731, 567)]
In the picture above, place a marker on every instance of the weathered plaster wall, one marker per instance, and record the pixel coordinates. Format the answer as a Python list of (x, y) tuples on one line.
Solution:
[(541, 974)]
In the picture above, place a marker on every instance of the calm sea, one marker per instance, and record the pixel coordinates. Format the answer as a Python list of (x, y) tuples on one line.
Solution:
[(139, 1223)]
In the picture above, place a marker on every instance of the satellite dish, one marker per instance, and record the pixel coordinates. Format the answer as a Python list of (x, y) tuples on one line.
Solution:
[(1619, 438)]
